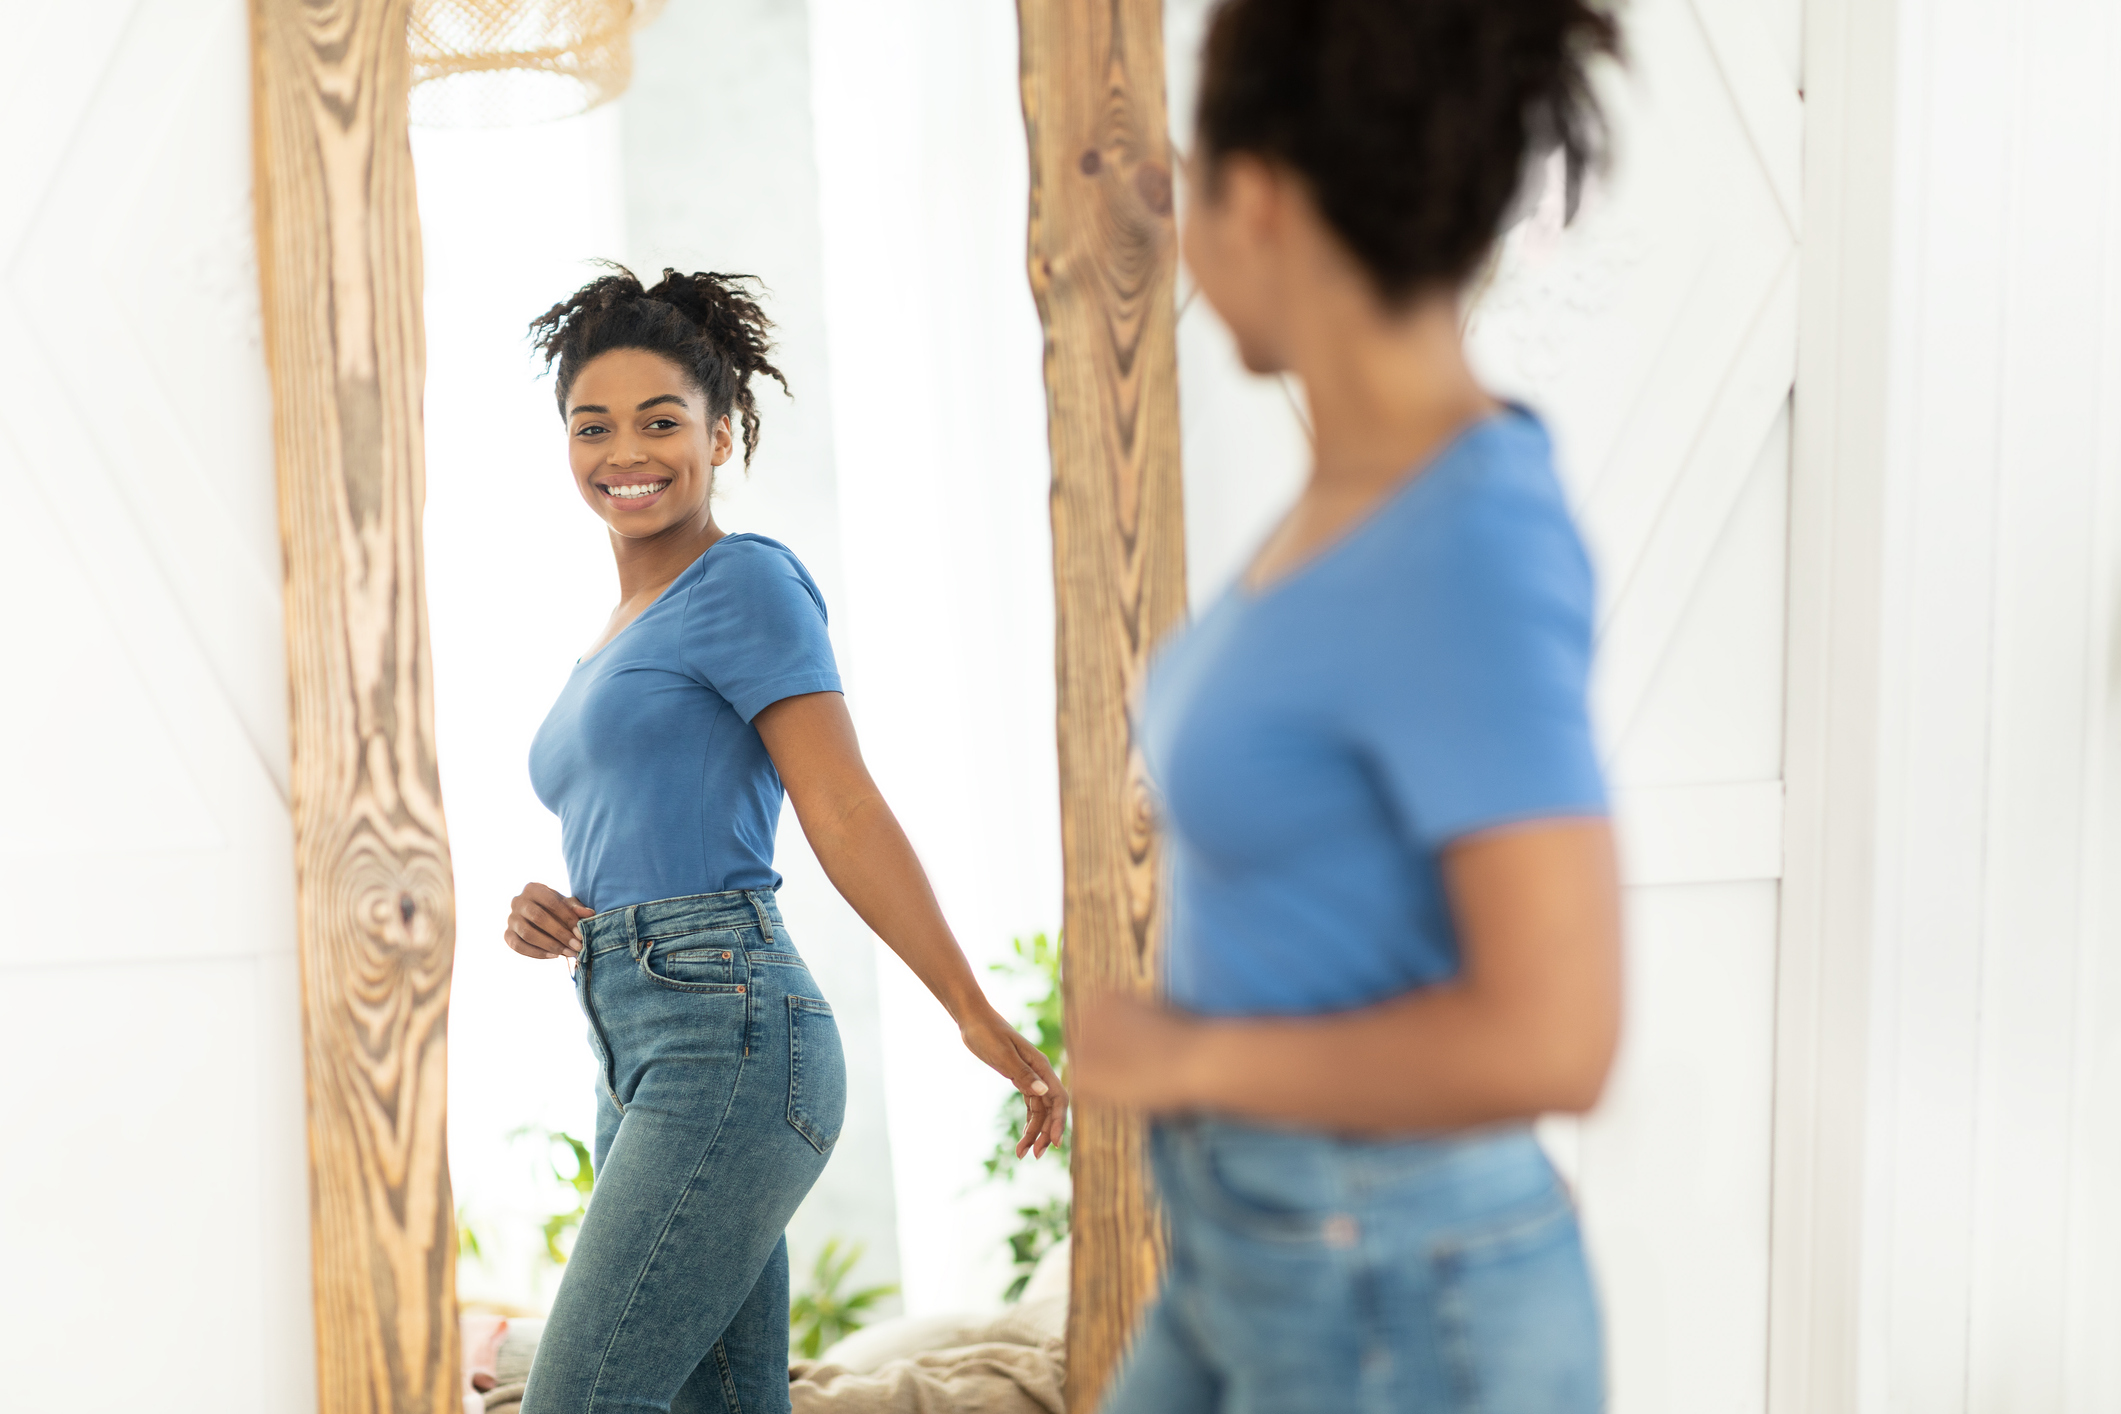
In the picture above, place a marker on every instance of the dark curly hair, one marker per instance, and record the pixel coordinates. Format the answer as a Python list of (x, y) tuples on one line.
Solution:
[(1412, 121), (704, 323)]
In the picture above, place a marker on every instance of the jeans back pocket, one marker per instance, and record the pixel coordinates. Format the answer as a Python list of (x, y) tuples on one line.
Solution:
[(817, 1073)]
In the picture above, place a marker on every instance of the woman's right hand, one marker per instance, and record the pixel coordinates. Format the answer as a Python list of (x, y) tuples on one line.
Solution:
[(542, 924)]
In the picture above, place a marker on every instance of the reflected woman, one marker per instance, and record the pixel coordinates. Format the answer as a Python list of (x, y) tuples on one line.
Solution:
[(711, 691), (1395, 935)]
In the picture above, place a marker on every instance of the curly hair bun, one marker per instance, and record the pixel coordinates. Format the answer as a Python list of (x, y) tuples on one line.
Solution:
[(1411, 120), (704, 323)]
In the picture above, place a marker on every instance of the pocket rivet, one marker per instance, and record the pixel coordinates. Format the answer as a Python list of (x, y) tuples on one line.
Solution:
[(740, 988), (725, 957)]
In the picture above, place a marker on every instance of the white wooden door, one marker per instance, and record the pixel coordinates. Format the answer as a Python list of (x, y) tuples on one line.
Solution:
[(151, 1126), (1657, 335)]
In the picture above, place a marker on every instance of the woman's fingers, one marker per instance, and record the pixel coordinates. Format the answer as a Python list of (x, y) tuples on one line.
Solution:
[(537, 928), (543, 924), (1013, 1056), (1045, 1081), (1045, 1102), (523, 940), (562, 931)]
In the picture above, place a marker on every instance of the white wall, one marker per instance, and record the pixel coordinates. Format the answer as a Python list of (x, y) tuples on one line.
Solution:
[(151, 1125), (1950, 1128)]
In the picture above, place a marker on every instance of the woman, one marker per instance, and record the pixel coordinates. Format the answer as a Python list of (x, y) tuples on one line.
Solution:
[(1395, 930), (711, 689)]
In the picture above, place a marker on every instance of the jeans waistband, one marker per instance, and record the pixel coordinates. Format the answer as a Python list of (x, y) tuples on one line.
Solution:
[(639, 925), (1491, 1144)]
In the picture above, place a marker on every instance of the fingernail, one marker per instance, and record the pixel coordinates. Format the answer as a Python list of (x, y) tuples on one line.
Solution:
[(1038, 1087)]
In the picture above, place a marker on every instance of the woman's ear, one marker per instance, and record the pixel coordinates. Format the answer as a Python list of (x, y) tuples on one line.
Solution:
[(1254, 198), (724, 443)]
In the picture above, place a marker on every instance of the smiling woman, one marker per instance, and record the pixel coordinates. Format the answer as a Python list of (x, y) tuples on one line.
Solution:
[(711, 691)]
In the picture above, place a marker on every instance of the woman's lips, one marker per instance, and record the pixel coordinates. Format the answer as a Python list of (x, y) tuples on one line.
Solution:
[(636, 501)]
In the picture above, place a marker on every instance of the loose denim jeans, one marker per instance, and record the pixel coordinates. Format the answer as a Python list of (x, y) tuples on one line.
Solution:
[(1311, 1274), (722, 1092)]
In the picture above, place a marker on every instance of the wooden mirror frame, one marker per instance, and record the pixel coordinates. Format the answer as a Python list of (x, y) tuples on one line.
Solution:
[(339, 270)]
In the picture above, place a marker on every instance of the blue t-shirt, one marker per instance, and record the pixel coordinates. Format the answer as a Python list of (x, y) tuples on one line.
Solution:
[(1315, 744), (649, 758)]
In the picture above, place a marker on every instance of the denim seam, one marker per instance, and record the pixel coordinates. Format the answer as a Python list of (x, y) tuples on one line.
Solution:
[(608, 1071), (722, 1367), (1457, 1336), (596, 1385), (1526, 1221), (797, 1122)]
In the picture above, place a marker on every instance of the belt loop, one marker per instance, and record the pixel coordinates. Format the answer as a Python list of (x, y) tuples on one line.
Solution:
[(633, 930), (759, 907)]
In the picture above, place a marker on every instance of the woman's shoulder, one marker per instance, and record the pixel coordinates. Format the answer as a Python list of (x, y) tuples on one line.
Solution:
[(1502, 467), (1493, 526), (747, 566)]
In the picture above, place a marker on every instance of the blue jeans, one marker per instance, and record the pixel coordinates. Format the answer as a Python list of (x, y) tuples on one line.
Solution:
[(1317, 1274), (722, 1092)]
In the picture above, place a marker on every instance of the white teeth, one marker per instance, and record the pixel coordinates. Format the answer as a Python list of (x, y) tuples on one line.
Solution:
[(634, 493)]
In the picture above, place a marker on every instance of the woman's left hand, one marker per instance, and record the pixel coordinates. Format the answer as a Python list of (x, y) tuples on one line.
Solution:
[(1135, 1053), (1023, 1065)]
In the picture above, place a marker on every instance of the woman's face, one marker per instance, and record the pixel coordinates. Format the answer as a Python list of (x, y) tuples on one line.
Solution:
[(641, 444), (1234, 240)]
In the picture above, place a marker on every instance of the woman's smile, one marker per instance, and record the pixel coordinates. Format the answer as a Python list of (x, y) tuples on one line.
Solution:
[(633, 490)]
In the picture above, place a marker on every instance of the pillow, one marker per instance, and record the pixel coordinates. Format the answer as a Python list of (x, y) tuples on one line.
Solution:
[(874, 1346)]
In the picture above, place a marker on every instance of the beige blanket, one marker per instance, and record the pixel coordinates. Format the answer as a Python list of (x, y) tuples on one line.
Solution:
[(967, 1379), (993, 1378)]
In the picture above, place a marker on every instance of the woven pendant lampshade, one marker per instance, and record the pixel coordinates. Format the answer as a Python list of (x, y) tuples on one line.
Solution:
[(498, 63)]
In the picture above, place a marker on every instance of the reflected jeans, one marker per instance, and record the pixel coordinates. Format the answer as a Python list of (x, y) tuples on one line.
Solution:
[(722, 1091), (1310, 1273)]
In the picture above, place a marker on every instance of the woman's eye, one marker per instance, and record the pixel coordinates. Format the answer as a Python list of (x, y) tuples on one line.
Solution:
[(589, 429), (662, 423)]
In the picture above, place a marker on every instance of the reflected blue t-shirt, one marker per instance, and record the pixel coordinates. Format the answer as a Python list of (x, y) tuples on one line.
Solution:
[(1315, 745), (649, 758)]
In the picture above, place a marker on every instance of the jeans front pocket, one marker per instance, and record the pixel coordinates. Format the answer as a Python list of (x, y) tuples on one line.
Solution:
[(707, 961), (1517, 1313), (817, 1073), (1261, 1184)]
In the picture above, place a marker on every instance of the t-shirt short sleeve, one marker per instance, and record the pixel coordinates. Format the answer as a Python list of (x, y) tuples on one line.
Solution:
[(755, 628), (1476, 715)]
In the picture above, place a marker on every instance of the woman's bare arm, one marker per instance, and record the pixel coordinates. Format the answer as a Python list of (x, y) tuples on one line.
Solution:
[(1529, 1026), (871, 862)]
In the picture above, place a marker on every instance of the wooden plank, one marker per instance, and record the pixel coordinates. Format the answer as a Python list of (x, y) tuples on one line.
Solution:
[(1104, 260), (339, 266)]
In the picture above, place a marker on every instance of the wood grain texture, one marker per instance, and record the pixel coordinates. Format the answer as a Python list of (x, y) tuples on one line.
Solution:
[(1104, 264), (339, 266)]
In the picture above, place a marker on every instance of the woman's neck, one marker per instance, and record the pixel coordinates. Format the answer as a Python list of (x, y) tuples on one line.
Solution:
[(648, 565), (1386, 389)]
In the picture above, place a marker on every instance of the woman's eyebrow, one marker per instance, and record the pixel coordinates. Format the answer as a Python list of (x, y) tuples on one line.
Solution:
[(665, 398), (589, 407)]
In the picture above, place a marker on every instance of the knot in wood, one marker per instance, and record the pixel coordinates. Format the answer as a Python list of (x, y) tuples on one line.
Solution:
[(1091, 163), (1153, 185)]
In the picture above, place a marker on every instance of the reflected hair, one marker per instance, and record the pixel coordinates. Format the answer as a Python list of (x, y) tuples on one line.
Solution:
[(1414, 123), (704, 323)]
